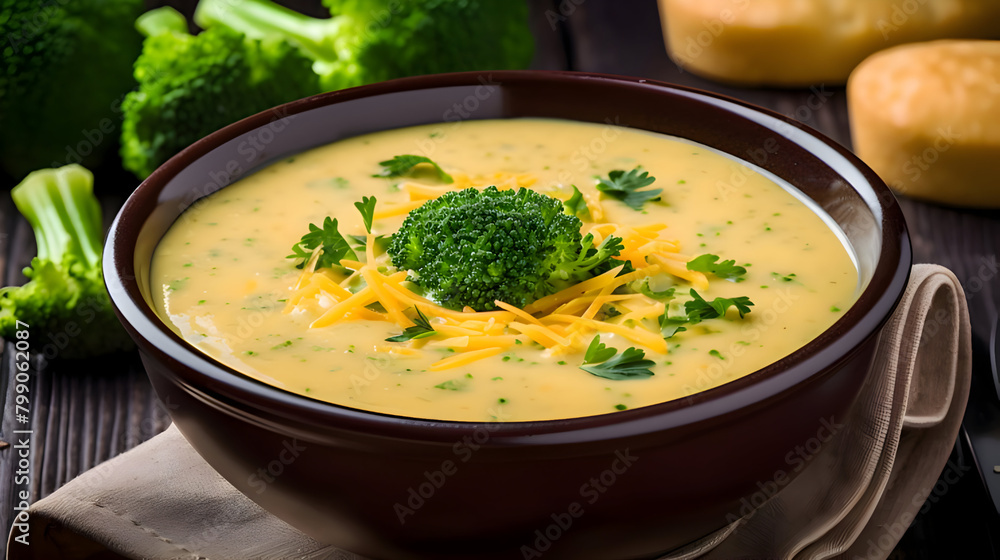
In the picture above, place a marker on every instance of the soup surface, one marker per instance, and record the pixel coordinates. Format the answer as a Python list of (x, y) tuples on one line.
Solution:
[(223, 281)]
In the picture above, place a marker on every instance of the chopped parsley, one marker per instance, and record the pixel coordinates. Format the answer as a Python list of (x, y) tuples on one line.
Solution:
[(367, 209), (576, 205), (727, 270), (401, 166), (608, 363), (381, 241), (669, 326), (698, 309), (649, 292), (450, 385), (333, 245), (624, 186)]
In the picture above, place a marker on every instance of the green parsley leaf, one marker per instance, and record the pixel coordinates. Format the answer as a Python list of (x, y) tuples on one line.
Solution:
[(450, 385), (367, 209), (598, 352), (381, 241), (785, 277), (669, 326), (727, 270), (698, 309), (576, 206), (625, 187), (333, 244), (610, 311), (400, 166), (421, 329), (649, 292), (630, 364)]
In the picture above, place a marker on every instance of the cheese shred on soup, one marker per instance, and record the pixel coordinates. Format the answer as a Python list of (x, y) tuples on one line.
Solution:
[(688, 270)]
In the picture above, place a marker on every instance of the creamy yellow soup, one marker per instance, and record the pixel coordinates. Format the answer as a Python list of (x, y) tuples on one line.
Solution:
[(223, 281)]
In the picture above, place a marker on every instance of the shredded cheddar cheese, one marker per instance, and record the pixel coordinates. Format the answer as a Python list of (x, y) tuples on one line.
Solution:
[(562, 322)]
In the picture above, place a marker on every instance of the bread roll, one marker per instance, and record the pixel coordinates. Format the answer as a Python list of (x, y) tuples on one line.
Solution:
[(926, 118), (803, 42)]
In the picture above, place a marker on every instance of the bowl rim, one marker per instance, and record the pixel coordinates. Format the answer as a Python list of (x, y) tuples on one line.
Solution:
[(228, 389)]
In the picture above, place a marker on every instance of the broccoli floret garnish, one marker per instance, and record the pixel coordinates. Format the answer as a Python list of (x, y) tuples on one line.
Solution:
[(64, 67), (471, 248), (373, 40), (190, 86), (64, 302)]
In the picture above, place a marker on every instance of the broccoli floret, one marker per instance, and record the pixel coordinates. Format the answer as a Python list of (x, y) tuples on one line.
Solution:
[(64, 305), (190, 86), (373, 40), (64, 69), (472, 247)]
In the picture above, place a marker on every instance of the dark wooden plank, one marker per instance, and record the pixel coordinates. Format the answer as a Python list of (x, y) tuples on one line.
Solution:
[(18, 245), (81, 412), (96, 409), (967, 242)]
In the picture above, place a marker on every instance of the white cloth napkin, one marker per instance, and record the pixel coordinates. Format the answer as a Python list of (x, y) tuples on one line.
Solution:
[(856, 498)]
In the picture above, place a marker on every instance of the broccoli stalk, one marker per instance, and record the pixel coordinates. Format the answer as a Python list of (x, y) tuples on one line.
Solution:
[(190, 86), (64, 303), (373, 40)]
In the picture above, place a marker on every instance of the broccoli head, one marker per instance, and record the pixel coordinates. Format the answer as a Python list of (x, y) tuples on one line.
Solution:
[(64, 305), (190, 86), (373, 40), (65, 67), (471, 248)]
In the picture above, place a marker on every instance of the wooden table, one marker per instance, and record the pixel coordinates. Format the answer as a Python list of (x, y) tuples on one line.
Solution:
[(83, 413)]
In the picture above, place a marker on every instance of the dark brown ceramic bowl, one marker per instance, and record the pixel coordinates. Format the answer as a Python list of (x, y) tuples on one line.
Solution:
[(625, 485)]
